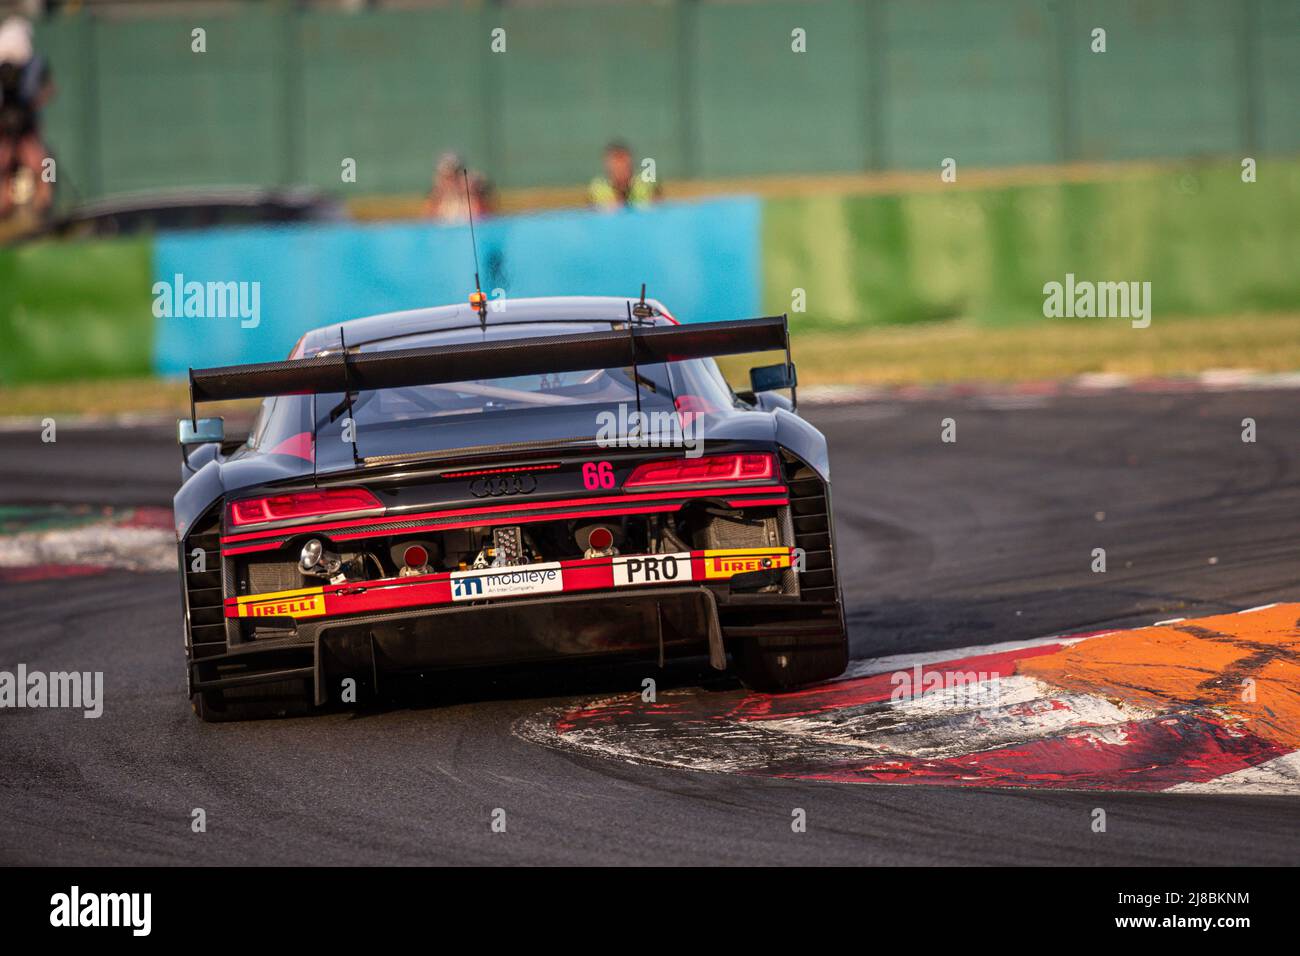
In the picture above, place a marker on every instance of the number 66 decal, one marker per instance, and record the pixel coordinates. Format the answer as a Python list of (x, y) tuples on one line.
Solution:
[(597, 474)]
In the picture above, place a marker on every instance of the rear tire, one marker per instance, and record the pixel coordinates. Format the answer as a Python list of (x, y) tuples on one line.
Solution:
[(773, 665), (281, 699)]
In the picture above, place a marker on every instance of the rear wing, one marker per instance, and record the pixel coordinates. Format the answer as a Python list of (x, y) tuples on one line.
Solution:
[(434, 365)]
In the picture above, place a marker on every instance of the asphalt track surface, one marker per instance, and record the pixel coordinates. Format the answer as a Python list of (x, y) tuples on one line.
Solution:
[(941, 546)]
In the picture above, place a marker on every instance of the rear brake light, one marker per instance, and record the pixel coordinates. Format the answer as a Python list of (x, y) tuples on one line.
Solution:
[(300, 504), (683, 471)]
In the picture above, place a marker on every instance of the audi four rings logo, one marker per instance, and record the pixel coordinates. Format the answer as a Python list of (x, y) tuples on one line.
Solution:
[(500, 485)]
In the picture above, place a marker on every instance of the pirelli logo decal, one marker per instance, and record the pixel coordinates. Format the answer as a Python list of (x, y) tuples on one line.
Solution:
[(304, 602), (733, 561)]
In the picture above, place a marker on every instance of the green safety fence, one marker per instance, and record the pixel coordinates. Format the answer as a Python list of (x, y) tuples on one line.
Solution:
[(706, 88)]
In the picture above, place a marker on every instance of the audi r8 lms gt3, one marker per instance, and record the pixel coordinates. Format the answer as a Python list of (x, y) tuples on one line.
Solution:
[(454, 487)]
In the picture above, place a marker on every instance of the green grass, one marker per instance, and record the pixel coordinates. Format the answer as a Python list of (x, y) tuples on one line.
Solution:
[(961, 351), (108, 397)]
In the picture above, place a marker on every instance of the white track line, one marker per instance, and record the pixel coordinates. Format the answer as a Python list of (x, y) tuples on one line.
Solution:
[(903, 662), (1278, 776)]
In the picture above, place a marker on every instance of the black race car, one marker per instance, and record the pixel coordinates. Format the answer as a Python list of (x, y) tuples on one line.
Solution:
[(184, 209), (469, 486)]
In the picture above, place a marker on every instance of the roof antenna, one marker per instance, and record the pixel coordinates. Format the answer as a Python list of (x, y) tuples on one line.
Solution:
[(642, 310), (636, 374), (477, 300), (350, 424)]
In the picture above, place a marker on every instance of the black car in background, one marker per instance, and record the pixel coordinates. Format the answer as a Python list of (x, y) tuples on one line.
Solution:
[(182, 209)]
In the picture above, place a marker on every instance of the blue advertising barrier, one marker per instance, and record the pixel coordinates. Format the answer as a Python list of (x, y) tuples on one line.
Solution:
[(699, 259)]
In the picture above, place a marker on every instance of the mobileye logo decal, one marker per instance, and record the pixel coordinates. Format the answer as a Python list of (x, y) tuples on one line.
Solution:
[(526, 579), (725, 564), (497, 486), (653, 569), (463, 588)]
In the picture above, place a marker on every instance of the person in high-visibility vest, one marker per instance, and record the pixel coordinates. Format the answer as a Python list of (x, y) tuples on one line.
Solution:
[(620, 187)]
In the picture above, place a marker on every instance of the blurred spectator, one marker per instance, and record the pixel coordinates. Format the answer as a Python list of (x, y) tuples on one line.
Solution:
[(25, 87), (446, 201), (620, 187)]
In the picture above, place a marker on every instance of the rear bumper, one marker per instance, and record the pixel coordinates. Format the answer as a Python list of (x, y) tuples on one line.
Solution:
[(651, 624), (715, 600), (652, 606), (677, 622)]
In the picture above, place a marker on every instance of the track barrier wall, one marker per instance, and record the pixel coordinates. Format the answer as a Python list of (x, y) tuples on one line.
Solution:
[(702, 259)]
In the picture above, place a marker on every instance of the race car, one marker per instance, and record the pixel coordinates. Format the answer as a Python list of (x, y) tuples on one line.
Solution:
[(566, 478)]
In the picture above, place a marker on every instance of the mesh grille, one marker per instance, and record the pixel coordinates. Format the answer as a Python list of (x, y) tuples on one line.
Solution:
[(273, 576), (731, 532), (728, 532), (265, 575)]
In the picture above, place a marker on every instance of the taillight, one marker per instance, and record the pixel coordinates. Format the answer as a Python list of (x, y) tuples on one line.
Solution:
[(300, 504), (682, 471)]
